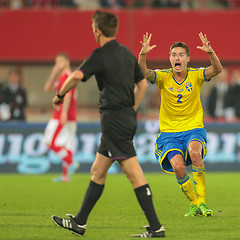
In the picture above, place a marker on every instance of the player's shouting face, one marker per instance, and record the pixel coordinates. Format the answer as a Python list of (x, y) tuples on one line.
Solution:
[(179, 59)]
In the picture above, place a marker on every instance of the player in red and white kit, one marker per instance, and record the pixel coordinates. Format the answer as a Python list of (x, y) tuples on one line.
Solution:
[(61, 129)]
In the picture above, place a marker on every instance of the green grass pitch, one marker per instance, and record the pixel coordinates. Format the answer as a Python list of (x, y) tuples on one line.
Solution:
[(27, 202)]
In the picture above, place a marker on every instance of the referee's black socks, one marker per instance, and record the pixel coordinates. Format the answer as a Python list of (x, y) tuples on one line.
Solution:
[(144, 196), (92, 194)]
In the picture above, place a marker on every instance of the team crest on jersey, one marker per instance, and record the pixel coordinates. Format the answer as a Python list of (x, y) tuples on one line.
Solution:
[(171, 89), (188, 86)]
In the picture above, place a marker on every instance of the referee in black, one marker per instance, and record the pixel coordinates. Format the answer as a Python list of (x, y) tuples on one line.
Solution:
[(122, 87)]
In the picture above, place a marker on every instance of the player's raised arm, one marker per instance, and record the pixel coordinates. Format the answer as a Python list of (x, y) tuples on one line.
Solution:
[(146, 48), (69, 84), (216, 66)]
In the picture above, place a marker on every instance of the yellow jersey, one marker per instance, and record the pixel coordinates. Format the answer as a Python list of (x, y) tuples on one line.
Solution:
[(181, 108)]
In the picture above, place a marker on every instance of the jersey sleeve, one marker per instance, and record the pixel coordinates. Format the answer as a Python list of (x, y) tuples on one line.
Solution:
[(158, 77), (92, 65), (201, 75), (138, 72)]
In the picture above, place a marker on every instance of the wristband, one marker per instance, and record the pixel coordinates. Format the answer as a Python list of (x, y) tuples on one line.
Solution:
[(59, 96)]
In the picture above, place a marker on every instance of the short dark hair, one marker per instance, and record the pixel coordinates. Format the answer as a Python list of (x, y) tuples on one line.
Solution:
[(106, 22), (63, 54), (182, 45)]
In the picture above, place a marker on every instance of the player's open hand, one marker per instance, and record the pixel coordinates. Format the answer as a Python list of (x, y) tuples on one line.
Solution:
[(57, 102), (206, 44), (146, 48)]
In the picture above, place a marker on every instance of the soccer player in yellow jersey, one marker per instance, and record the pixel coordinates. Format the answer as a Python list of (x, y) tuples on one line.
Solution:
[(182, 140)]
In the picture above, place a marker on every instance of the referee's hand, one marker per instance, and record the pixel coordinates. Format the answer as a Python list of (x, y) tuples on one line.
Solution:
[(57, 102)]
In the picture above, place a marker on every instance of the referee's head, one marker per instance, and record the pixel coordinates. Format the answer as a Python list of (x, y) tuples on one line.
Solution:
[(106, 22)]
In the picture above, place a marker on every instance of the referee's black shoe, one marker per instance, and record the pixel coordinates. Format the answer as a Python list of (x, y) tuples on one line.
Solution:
[(69, 224), (151, 234)]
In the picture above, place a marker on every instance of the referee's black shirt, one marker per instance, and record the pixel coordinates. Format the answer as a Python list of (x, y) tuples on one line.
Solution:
[(116, 70)]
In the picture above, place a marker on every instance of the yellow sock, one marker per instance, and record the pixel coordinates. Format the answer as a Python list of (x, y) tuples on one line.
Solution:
[(187, 189), (199, 181)]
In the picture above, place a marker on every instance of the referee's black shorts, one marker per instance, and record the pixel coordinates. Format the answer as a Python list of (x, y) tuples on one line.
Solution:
[(118, 129)]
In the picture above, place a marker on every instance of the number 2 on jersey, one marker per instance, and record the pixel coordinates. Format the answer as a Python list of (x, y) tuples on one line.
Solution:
[(179, 98)]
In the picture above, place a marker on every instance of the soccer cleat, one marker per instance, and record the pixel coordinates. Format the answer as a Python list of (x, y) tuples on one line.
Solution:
[(151, 234), (69, 224), (61, 179), (205, 211), (193, 211), (72, 169)]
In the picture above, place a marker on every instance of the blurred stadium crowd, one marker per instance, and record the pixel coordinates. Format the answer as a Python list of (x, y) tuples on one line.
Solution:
[(221, 101), (116, 4)]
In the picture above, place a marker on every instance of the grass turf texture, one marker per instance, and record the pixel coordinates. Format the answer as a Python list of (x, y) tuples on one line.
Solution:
[(27, 202)]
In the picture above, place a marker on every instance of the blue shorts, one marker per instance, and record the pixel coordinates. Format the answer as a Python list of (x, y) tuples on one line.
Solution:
[(167, 142)]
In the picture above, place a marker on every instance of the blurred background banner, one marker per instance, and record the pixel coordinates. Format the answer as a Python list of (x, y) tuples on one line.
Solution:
[(22, 149), (37, 35)]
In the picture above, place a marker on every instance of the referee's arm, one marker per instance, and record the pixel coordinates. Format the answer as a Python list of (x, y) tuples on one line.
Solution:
[(68, 85), (139, 92)]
